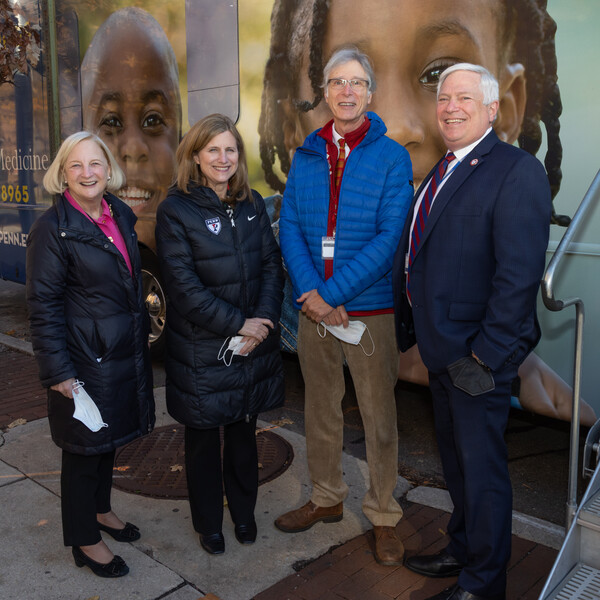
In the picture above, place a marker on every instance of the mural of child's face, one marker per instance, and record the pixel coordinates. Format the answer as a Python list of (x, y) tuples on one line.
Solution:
[(134, 108), (410, 43)]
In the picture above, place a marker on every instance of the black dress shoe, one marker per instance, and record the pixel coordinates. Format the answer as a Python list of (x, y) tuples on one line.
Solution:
[(457, 593), (129, 533), (115, 568), (434, 565), (213, 543), (246, 534)]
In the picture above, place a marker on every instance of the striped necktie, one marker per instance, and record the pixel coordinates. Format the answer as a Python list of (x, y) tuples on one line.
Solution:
[(423, 212), (339, 165)]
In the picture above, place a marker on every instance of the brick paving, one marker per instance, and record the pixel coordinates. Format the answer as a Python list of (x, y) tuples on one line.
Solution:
[(349, 572), (23, 396)]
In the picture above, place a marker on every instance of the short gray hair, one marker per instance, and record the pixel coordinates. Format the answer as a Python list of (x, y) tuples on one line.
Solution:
[(487, 84), (345, 55), (54, 178)]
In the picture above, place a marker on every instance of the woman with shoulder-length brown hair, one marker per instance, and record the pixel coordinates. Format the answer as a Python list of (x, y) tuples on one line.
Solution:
[(223, 277)]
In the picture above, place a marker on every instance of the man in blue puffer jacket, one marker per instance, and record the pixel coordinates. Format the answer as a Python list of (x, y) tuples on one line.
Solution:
[(344, 207)]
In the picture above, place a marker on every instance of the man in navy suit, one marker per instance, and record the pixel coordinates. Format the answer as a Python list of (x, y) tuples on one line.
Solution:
[(466, 276)]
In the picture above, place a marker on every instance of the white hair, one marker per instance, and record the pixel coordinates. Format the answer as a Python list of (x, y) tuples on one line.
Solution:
[(487, 83), (348, 54)]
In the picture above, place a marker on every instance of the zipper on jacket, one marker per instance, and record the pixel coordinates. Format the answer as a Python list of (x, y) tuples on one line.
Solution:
[(244, 299), (238, 254)]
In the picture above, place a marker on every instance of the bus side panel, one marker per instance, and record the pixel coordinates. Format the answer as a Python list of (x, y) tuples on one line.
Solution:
[(24, 159)]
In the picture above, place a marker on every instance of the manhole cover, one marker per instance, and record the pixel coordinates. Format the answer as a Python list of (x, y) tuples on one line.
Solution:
[(154, 465)]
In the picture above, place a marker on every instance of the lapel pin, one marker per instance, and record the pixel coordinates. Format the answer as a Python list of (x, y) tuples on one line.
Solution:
[(474, 162)]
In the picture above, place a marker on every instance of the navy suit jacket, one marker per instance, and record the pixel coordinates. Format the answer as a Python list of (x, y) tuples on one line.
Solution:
[(476, 273)]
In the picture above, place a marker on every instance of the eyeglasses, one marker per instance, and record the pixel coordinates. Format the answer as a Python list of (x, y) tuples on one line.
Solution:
[(355, 84)]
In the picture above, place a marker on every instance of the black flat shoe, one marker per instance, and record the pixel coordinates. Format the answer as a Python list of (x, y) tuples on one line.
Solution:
[(129, 533), (246, 534), (213, 543), (115, 568)]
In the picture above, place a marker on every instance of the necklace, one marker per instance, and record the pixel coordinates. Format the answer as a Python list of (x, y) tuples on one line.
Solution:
[(101, 219)]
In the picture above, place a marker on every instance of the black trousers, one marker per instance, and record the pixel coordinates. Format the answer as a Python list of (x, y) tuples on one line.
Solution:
[(85, 486), (206, 476)]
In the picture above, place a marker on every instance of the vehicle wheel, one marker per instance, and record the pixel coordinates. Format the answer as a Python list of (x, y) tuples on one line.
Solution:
[(154, 297)]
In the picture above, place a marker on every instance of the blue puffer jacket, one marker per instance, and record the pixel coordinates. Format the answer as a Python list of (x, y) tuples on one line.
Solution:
[(375, 196), (218, 272)]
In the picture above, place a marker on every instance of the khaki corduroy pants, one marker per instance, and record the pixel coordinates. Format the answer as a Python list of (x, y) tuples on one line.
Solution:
[(374, 378)]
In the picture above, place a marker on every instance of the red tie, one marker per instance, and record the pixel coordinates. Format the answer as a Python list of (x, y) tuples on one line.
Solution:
[(424, 208), (339, 165)]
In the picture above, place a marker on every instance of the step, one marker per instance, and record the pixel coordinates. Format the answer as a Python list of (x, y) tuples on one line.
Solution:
[(590, 512), (582, 583)]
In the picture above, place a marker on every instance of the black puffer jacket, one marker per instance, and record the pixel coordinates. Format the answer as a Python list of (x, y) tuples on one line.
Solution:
[(88, 321), (216, 276)]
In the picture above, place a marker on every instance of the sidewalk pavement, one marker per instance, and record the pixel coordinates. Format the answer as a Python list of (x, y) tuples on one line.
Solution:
[(330, 561)]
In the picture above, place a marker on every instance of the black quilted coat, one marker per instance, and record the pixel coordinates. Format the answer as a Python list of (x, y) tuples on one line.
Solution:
[(88, 321), (217, 273)]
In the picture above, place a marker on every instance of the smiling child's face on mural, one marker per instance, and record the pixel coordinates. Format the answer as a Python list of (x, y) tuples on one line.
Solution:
[(134, 107), (410, 43)]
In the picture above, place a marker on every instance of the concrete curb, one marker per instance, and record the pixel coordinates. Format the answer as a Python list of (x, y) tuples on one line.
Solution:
[(16, 344)]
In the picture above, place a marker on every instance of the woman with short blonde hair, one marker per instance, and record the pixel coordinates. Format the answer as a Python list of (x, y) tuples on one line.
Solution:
[(54, 180), (89, 327)]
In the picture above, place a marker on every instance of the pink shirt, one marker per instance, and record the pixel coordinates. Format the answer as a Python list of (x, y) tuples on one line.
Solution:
[(108, 226)]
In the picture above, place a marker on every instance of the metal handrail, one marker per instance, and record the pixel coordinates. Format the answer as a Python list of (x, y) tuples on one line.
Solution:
[(551, 303)]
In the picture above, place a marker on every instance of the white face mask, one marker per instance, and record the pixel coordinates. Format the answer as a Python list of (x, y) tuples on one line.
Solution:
[(351, 334), (86, 410), (233, 348)]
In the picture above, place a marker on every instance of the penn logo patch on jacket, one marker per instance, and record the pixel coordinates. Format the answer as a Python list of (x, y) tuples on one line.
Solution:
[(214, 225)]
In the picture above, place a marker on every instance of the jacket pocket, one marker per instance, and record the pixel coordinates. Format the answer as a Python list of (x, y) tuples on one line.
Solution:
[(116, 336), (83, 339), (466, 311)]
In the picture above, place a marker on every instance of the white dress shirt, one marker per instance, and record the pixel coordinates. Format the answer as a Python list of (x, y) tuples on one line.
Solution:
[(459, 154)]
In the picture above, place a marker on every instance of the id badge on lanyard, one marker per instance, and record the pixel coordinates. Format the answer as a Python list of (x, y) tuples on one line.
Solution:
[(327, 247)]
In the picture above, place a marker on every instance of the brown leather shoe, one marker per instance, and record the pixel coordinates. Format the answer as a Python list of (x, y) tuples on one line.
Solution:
[(389, 550), (306, 516)]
